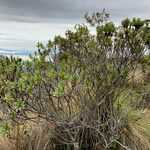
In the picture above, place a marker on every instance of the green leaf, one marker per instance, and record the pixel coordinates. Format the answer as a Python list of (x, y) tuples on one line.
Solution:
[(19, 104), (51, 74), (5, 128), (8, 97), (59, 89), (75, 78)]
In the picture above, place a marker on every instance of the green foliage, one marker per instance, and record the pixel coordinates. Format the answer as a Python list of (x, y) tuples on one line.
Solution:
[(137, 23), (19, 105), (106, 30), (5, 128), (8, 97), (59, 89), (125, 23), (51, 73)]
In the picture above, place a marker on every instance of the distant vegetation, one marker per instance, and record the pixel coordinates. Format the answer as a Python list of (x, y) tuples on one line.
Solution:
[(83, 91), (20, 53)]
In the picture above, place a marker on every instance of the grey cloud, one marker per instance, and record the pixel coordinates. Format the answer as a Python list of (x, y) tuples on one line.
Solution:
[(69, 10), (25, 22), (38, 10)]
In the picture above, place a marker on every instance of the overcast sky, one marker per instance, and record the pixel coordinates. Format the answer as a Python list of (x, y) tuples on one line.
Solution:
[(25, 22)]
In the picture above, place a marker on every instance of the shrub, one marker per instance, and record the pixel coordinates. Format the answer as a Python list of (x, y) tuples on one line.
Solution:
[(73, 82)]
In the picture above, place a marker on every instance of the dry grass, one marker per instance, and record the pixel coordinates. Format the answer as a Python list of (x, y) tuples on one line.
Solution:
[(145, 121), (135, 137)]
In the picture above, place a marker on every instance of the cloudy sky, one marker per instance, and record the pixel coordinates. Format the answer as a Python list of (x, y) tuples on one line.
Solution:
[(25, 22)]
